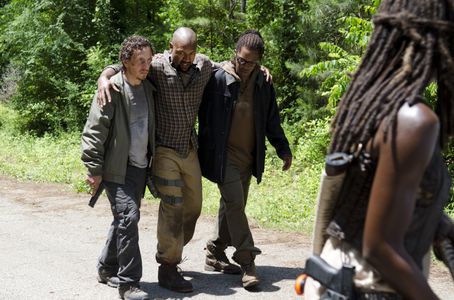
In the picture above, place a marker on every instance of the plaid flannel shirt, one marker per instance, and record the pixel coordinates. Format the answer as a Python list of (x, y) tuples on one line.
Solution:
[(177, 105)]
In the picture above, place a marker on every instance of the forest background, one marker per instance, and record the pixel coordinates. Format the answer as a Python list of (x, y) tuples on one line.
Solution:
[(52, 52)]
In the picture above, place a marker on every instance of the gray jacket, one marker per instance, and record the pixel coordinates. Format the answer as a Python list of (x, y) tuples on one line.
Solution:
[(106, 135)]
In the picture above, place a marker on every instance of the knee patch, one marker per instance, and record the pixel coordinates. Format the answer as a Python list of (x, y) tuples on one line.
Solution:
[(169, 190)]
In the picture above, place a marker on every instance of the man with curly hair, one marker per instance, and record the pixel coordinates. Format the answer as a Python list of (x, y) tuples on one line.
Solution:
[(117, 146)]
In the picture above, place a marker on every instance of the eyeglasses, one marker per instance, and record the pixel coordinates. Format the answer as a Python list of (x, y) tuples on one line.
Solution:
[(242, 61)]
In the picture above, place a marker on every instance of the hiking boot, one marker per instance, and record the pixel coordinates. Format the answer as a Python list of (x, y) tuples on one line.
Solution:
[(106, 278), (171, 279), (217, 261), (249, 278), (132, 292)]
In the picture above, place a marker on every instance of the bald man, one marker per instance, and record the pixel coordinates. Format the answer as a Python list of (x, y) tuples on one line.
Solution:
[(180, 76)]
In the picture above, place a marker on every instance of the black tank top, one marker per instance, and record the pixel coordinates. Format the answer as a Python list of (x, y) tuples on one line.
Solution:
[(351, 208)]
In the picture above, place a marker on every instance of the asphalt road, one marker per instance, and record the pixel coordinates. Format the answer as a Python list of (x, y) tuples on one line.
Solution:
[(50, 240)]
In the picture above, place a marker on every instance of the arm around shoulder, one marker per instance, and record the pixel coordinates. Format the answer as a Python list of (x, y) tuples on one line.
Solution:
[(104, 84)]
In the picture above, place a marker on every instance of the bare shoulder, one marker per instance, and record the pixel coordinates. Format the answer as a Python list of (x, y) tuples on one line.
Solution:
[(417, 119), (413, 122), (417, 134)]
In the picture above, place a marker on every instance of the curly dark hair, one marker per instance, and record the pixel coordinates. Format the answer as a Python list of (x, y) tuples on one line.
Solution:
[(251, 39), (131, 43), (412, 43)]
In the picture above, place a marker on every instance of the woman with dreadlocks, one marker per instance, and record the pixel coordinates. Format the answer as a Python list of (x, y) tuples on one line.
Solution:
[(386, 215)]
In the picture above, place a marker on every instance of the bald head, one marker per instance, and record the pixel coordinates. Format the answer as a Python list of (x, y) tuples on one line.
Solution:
[(183, 48), (185, 36)]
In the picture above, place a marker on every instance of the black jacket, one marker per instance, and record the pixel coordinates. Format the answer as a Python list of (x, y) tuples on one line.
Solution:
[(215, 116)]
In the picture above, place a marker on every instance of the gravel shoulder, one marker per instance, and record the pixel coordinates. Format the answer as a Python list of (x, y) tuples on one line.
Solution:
[(51, 239)]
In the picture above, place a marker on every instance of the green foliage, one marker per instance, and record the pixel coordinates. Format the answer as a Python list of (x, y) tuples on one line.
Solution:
[(312, 140), (335, 72), (283, 200), (8, 119), (44, 54), (59, 47), (48, 158), (216, 24)]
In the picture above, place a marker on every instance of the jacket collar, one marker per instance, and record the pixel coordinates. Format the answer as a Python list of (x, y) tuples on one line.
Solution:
[(119, 81), (197, 63), (232, 77)]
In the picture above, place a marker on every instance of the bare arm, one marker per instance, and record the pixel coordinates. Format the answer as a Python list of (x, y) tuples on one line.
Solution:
[(393, 198), (104, 86)]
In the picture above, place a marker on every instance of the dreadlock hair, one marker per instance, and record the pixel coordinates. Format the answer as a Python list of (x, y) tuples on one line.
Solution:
[(131, 43), (252, 40), (411, 44)]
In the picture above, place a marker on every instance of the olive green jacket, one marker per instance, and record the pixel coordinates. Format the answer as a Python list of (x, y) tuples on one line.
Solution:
[(106, 135)]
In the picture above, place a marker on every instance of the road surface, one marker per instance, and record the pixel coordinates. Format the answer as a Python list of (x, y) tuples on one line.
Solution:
[(50, 240)]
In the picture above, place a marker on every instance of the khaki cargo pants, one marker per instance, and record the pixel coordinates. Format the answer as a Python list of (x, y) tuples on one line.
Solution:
[(178, 181)]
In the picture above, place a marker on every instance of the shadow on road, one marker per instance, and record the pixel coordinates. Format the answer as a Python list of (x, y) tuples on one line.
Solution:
[(217, 284)]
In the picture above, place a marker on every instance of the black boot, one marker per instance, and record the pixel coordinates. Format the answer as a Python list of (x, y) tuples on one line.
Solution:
[(217, 261), (171, 279), (132, 292), (107, 278)]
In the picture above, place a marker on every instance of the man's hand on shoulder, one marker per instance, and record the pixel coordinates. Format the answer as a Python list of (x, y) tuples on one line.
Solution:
[(158, 56), (266, 72), (104, 86)]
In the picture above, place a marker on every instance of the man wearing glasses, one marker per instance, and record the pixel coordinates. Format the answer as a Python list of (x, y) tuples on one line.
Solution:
[(238, 110)]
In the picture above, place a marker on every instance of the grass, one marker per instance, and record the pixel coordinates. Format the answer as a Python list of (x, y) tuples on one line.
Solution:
[(46, 159), (284, 200)]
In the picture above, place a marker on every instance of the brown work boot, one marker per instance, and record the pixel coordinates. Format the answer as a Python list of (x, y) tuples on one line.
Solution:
[(249, 278), (217, 261), (171, 279), (132, 292)]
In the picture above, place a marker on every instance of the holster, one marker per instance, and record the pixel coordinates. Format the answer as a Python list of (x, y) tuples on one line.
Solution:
[(331, 182), (150, 184)]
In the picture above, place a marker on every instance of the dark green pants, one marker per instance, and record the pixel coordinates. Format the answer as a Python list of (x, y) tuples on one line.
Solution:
[(232, 227)]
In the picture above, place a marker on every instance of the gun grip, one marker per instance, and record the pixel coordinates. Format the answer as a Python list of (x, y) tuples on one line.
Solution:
[(339, 282)]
